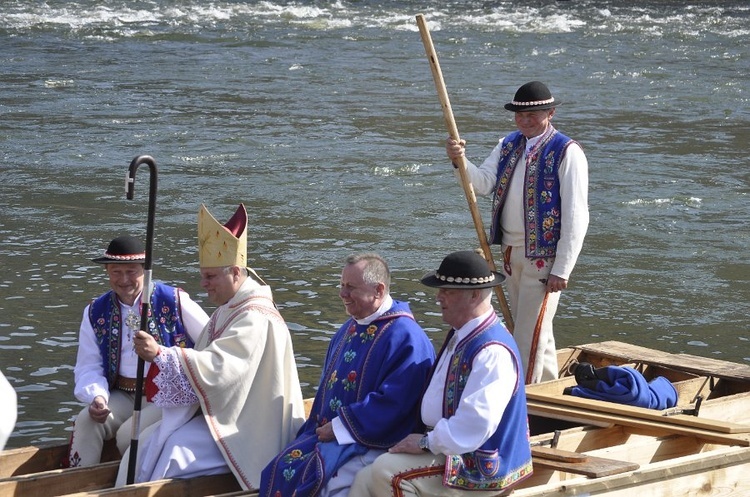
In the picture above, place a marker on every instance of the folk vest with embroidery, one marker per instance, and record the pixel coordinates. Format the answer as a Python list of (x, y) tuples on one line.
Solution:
[(505, 458), (541, 191), (164, 324)]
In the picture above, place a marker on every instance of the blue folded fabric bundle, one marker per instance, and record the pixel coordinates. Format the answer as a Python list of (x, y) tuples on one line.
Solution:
[(623, 385)]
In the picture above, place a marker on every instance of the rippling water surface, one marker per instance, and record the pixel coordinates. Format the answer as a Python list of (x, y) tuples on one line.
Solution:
[(322, 118)]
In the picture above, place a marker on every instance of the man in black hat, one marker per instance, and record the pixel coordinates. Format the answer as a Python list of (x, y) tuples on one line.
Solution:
[(476, 440), (539, 180), (106, 364)]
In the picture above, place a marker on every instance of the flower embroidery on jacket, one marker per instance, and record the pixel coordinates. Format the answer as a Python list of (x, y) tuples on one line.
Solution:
[(295, 455), (369, 333), (351, 332), (350, 382), (332, 379), (334, 404)]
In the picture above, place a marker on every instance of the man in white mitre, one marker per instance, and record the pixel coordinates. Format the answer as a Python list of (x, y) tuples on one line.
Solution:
[(234, 400)]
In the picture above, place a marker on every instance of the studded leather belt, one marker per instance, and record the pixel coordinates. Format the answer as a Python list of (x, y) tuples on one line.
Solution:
[(126, 384)]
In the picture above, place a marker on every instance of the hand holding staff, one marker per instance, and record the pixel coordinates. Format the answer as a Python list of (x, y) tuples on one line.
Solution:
[(450, 122)]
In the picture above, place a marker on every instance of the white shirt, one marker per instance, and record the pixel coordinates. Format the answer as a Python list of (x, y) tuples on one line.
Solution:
[(90, 378), (574, 186), (488, 390)]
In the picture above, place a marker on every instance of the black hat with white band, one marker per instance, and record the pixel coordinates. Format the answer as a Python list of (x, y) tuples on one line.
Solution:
[(465, 269)]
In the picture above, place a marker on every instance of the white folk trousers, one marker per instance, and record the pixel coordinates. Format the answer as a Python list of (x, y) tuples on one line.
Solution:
[(528, 297), (89, 436)]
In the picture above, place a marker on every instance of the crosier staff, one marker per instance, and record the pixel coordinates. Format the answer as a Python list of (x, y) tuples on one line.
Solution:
[(450, 122), (145, 297)]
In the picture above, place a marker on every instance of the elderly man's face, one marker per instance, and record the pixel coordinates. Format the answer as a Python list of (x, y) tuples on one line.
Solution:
[(360, 298), (126, 280), (456, 305)]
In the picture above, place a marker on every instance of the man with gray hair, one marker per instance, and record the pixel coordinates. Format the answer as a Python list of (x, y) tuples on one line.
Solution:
[(475, 435), (367, 400)]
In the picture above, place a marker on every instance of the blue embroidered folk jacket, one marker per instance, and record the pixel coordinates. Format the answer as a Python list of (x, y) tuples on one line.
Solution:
[(164, 324), (542, 204)]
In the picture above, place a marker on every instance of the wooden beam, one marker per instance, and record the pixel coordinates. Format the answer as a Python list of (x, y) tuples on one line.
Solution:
[(31, 459), (215, 485), (60, 481), (659, 424), (691, 421), (723, 472)]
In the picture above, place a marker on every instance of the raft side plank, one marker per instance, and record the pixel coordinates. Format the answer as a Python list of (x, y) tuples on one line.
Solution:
[(26, 460), (637, 412), (214, 485), (722, 472), (619, 444), (587, 437), (608, 460), (36, 459), (200, 486), (649, 450), (563, 412), (733, 409), (60, 481)]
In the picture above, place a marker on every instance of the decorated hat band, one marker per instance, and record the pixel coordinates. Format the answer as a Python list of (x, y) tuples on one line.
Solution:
[(467, 281), (129, 257), (534, 102), (531, 96), (465, 270)]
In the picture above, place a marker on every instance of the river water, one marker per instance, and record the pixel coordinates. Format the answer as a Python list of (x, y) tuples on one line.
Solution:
[(322, 117)]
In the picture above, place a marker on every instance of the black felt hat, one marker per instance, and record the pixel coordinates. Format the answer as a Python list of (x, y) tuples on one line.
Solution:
[(464, 269), (123, 250), (534, 95)]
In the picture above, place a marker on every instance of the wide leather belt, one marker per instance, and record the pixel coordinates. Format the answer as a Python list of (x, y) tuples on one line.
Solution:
[(126, 384)]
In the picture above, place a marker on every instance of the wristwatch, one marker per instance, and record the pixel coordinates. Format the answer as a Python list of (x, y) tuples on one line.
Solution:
[(424, 443)]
